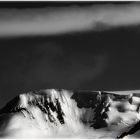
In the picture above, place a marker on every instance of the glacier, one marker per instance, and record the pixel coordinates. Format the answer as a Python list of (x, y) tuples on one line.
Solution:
[(60, 113)]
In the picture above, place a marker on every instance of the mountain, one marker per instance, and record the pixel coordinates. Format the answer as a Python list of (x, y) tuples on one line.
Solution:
[(57, 113)]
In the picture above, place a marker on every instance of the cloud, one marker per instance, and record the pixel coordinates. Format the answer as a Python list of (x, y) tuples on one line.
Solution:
[(50, 21)]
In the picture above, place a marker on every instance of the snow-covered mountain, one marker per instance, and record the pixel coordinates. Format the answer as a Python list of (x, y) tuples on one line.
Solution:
[(54, 113)]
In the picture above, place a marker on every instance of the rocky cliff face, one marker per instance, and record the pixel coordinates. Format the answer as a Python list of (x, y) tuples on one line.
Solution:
[(63, 113)]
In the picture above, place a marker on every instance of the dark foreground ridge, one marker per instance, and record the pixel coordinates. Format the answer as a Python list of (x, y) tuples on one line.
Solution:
[(93, 107), (133, 130)]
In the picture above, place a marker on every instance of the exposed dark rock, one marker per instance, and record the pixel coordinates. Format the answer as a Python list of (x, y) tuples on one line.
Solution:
[(133, 130)]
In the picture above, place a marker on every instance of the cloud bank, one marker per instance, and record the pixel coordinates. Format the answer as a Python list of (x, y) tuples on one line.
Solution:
[(59, 20)]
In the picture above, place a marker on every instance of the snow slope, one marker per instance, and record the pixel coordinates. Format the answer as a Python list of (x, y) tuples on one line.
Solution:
[(61, 113)]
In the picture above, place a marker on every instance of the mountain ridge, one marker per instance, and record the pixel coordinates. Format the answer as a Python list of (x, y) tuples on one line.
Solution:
[(74, 111)]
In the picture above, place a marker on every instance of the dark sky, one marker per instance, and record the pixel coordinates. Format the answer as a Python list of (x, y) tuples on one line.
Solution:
[(91, 60)]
